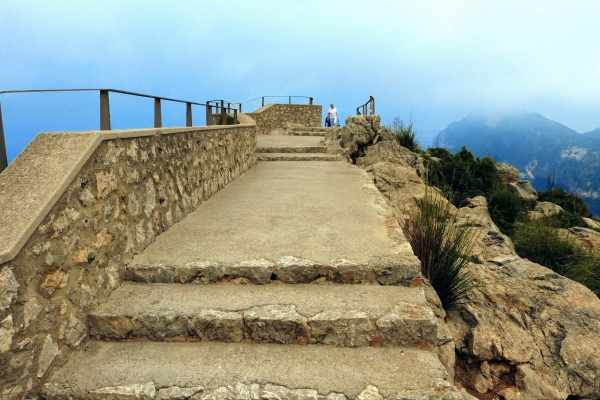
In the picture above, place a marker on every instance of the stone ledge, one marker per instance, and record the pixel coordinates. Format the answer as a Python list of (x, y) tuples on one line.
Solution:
[(274, 371), (35, 180), (401, 270), (338, 315)]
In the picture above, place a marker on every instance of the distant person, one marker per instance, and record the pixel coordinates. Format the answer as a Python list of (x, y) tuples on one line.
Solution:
[(332, 114)]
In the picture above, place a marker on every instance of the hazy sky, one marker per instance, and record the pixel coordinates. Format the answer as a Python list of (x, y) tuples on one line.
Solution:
[(435, 60)]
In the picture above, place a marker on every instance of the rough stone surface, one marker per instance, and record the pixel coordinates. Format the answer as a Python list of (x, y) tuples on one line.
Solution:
[(133, 186), (364, 142), (295, 270), (331, 314), (332, 372), (281, 117), (592, 223), (508, 173), (145, 391), (544, 209), (588, 238), (524, 190)]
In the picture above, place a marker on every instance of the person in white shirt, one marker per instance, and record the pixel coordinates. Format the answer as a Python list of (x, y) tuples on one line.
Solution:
[(333, 116)]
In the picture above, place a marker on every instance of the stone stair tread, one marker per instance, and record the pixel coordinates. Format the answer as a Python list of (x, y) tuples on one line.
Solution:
[(298, 157), (275, 141), (318, 211), (291, 149), (112, 369), (339, 315)]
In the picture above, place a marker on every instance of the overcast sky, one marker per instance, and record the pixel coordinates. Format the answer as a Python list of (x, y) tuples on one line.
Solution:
[(435, 60)]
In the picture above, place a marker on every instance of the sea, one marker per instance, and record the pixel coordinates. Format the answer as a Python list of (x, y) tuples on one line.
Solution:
[(593, 204)]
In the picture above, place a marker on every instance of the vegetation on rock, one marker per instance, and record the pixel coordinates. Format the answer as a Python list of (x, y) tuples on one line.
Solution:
[(405, 134), (442, 247)]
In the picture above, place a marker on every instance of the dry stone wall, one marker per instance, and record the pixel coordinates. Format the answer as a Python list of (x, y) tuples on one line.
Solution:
[(285, 116), (127, 193)]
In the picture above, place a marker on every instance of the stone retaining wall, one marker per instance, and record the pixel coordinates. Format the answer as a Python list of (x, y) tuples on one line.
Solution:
[(286, 116), (135, 185)]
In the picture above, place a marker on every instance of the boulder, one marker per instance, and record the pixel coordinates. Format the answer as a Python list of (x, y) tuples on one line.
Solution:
[(544, 209), (508, 173), (524, 190)]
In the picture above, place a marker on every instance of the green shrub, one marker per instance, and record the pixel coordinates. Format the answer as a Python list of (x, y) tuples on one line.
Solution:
[(565, 220), (568, 201), (506, 208), (405, 134), (442, 248), (462, 174), (540, 242)]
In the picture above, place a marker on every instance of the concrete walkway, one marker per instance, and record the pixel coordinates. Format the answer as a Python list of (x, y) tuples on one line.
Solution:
[(288, 141), (320, 211)]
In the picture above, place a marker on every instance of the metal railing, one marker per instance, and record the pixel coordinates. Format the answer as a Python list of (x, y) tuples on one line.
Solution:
[(105, 111), (222, 108), (310, 100), (368, 108)]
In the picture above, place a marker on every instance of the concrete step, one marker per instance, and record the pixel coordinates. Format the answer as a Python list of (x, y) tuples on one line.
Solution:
[(329, 314), (310, 131), (150, 370), (316, 149), (400, 269), (296, 222), (298, 157)]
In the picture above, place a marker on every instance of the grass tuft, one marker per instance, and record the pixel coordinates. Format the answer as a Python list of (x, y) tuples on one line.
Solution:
[(405, 134), (442, 247)]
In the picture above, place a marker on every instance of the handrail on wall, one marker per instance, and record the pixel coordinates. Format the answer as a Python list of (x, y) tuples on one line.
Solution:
[(105, 111), (222, 109), (310, 100), (369, 107)]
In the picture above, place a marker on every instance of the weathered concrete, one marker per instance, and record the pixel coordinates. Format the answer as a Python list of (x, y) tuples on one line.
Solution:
[(299, 157), (341, 315), (317, 211), (324, 369), (83, 204), (282, 141)]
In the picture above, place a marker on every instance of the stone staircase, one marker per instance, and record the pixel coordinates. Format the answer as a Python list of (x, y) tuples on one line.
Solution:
[(293, 148), (292, 282), (308, 131)]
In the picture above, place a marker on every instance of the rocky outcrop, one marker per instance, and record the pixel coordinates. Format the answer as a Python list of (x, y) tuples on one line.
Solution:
[(364, 142), (524, 190), (544, 209), (508, 173), (525, 331)]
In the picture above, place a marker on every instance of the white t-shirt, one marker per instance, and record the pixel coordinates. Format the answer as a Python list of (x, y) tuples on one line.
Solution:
[(332, 113)]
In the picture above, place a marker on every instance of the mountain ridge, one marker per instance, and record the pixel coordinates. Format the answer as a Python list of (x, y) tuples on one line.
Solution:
[(538, 146)]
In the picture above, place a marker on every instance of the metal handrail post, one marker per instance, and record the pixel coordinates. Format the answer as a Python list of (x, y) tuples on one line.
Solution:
[(223, 113), (208, 114), (290, 100), (157, 113), (263, 101), (3, 155), (188, 114), (372, 105), (240, 107), (104, 111), (310, 101)]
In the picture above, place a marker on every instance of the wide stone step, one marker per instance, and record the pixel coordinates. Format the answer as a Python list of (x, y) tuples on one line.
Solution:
[(298, 157), (309, 131), (400, 269), (149, 370), (291, 149), (294, 222), (330, 314)]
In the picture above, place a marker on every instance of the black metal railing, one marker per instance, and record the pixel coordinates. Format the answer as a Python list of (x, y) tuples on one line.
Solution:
[(221, 108), (262, 98), (105, 123), (368, 108)]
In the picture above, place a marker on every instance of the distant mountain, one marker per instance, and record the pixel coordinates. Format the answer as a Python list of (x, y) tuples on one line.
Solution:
[(594, 134), (536, 145)]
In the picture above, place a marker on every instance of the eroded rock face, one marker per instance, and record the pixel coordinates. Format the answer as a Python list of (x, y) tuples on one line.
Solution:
[(543, 327), (364, 142), (529, 317), (544, 209), (524, 190), (508, 173)]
